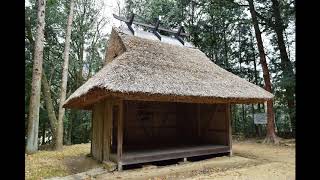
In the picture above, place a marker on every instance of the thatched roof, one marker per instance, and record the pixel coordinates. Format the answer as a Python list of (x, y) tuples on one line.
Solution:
[(145, 69)]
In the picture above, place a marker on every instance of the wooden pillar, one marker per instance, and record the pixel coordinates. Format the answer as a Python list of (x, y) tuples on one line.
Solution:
[(229, 128), (94, 132), (91, 132), (101, 109), (97, 131), (120, 135)]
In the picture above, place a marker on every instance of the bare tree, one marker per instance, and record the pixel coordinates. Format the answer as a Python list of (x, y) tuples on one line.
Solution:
[(33, 120)]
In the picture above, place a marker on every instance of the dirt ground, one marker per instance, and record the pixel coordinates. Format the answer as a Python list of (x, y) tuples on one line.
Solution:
[(268, 162), (250, 160)]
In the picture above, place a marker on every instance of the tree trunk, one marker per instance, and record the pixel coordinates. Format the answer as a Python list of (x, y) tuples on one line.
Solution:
[(45, 89), (243, 113), (235, 118), (43, 133), (193, 33), (257, 126), (73, 116), (286, 65), (226, 62), (271, 135), (239, 41), (59, 138), (49, 106), (244, 120), (288, 45), (255, 68), (33, 120), (214, 49)]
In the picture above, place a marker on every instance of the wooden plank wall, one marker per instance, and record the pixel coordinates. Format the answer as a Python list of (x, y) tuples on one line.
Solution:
[(156, 125), (107, 134), (214, 123), (102, 116), (149, 124), (160, 124), (114, 131), (187, 123)]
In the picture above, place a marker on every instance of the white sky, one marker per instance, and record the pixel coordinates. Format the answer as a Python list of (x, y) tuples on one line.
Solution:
[(26, 3), (111, 7)]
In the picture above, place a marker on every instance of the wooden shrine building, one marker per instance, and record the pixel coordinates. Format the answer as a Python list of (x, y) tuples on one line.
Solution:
[(158, 99)]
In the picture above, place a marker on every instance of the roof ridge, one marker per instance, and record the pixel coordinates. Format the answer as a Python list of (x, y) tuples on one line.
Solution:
[(150, 36)]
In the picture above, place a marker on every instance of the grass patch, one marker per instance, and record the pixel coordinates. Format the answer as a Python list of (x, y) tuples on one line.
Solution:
[(45, 164)]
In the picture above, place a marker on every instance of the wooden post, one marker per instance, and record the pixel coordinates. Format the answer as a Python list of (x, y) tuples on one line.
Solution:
[(120, 135), (107, 130), (100, 143), (229, 128), (94, 132), (91, 131)]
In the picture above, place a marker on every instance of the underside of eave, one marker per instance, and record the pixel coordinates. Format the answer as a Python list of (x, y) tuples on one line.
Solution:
[(94, 96)]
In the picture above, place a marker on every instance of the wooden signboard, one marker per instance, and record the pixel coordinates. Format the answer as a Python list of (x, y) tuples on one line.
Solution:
[(260, 118)]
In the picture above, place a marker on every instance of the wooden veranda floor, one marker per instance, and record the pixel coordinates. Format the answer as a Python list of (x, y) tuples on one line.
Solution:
[(142, 156)]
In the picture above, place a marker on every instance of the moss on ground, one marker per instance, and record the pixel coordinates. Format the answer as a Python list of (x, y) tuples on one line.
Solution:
[(45, 164)]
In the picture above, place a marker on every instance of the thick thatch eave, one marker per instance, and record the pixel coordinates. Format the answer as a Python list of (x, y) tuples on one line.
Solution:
[(144, 69), (98, 94)]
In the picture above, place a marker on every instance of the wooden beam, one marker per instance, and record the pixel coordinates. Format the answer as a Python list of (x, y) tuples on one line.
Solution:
[(148, 25), (120, 135), (129, 23), (155, 29), (177, 35), (173, 153)]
